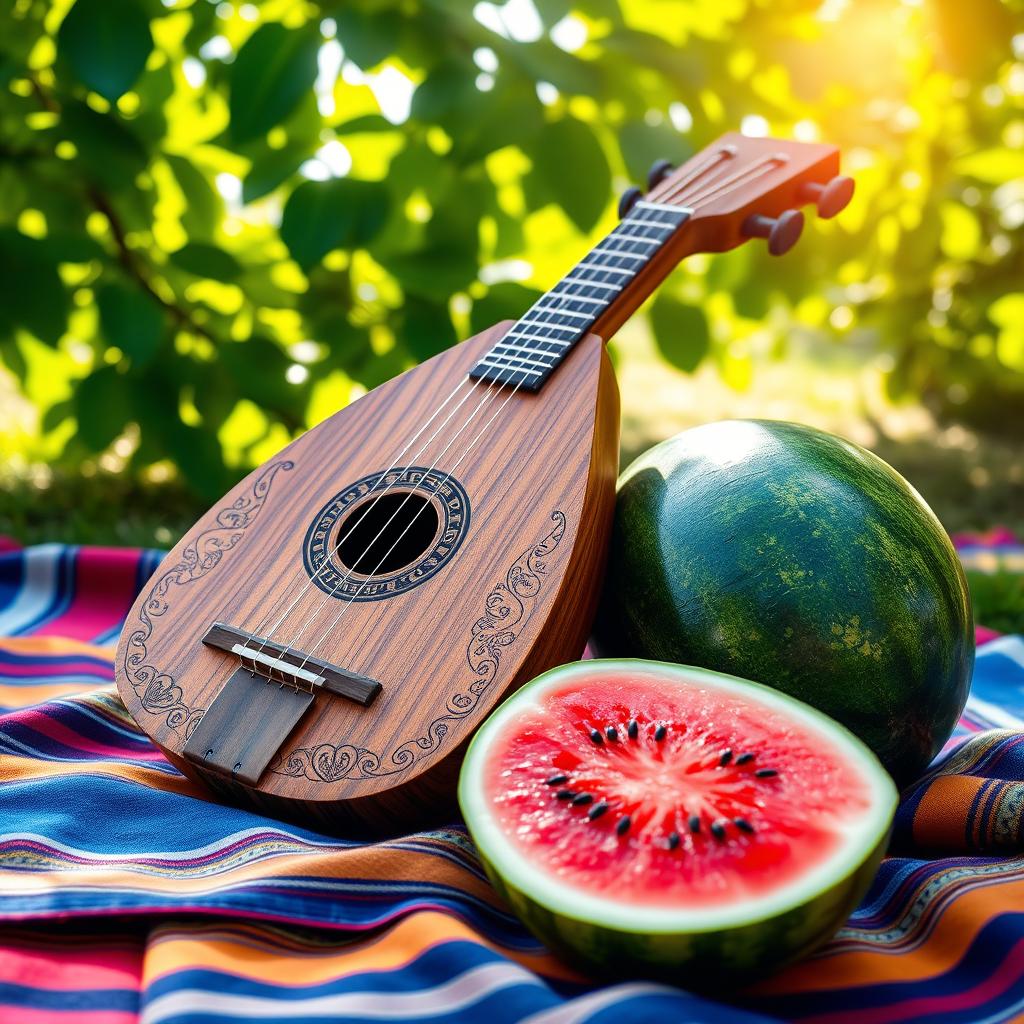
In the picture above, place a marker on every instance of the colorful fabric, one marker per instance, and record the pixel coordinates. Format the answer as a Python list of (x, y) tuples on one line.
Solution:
[(127, 895)]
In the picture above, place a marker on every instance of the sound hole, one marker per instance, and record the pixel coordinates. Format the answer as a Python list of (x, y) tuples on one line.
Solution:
[(387, 533)]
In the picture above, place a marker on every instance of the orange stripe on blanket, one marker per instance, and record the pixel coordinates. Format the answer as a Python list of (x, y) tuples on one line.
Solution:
[(60, 646), (253, 955), (941, 817), (252, 861), (953, 931), (27, 696), (16, 768)]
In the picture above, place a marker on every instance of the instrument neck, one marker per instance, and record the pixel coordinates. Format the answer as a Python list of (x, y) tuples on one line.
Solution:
[(597, 296)]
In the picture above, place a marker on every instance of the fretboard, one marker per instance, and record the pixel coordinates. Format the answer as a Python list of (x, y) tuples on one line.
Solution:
[(528, 354)]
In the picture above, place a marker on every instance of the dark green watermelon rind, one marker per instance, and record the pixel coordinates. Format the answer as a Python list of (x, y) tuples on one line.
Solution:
[(807, 564), (738, 955), (689, 953)]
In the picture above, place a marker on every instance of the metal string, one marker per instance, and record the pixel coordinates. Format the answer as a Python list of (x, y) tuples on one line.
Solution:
[(582, 294), (264, 640), (727, 152), (366, 508), (741, 177), (493, 385), (711, 190)]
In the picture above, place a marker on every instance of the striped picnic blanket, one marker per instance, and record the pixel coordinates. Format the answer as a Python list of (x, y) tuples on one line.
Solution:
[(127, 895)]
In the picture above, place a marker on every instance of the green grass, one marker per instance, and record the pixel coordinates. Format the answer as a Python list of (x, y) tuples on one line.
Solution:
[(998, 600)]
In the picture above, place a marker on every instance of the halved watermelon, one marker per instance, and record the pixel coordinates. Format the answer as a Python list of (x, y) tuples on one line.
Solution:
[(653, 819)]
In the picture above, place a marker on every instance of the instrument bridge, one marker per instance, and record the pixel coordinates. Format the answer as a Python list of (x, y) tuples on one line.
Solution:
[(262, 701)]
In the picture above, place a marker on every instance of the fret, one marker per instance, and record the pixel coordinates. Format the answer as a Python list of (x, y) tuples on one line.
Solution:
[(525, 336), (562, 312), (529, 348), (571, 279), (525, 360), (621, 253), (576, 298), (683, 212), (652, 223), (603, 270), (561, 343), (487, 361), (538, 342), (633, 238), (547, 323)]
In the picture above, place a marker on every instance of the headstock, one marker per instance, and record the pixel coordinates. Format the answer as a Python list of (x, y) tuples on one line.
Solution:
[(741, 187)]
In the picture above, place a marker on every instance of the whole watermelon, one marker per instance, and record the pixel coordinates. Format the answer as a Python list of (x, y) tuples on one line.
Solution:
[(786, 555)]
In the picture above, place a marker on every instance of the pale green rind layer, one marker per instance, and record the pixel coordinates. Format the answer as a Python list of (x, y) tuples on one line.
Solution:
[(683, 944)]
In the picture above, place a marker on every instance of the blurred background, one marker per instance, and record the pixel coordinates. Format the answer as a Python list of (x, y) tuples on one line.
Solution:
[(221, 222)]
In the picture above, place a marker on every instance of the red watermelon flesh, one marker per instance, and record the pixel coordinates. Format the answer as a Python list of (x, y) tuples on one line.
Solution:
[(630, 786)]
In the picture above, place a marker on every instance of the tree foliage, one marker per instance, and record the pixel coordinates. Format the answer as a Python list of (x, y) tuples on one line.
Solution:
[(220, 222)]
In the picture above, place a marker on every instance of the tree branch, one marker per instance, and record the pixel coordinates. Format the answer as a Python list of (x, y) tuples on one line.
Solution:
[(125, 255)]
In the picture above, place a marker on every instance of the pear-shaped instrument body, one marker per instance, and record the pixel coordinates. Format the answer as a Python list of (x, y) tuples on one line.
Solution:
[(485, 574)]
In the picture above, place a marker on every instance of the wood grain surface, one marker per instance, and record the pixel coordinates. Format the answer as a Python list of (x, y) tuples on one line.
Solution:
[(516, 598)]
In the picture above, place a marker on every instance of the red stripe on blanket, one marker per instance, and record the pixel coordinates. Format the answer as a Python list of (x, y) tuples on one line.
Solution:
[(105, 586)]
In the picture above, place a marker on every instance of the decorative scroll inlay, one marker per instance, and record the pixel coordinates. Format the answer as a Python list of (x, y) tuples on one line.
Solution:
[(157, 691), (507, 609)]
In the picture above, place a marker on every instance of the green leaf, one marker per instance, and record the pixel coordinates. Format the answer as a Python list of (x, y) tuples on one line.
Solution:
[(427, 328), (258, 368), (32, 294), (101, 407), (106, 43), (680, 332), (574, 169), (271, 169), (446, 91), (961, 231), (367, 37), (505, 301), (204, 206), (433, 273), (992, 166), (108, 150), (344, 213), (273, 71), (641, 144), (206, 260), (131, 320)]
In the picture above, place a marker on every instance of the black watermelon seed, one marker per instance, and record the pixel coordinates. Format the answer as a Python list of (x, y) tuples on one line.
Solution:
[(695, 823), (659, 733), (565, 794), (766, 773), (611, 733), (725, 758), (673, 840), (632, 729), (623, 826), (582, 798), (595, 735), (597, 810), (744, 758), (743, 825), (718, 830), (556, 780)]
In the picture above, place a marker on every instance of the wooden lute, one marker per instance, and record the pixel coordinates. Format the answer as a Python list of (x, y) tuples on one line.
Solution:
[(325, 640)]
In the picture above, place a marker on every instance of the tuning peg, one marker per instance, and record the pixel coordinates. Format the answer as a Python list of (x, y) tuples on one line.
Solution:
[(782, 232), (829, 198), (628, 200), (659, 171)]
